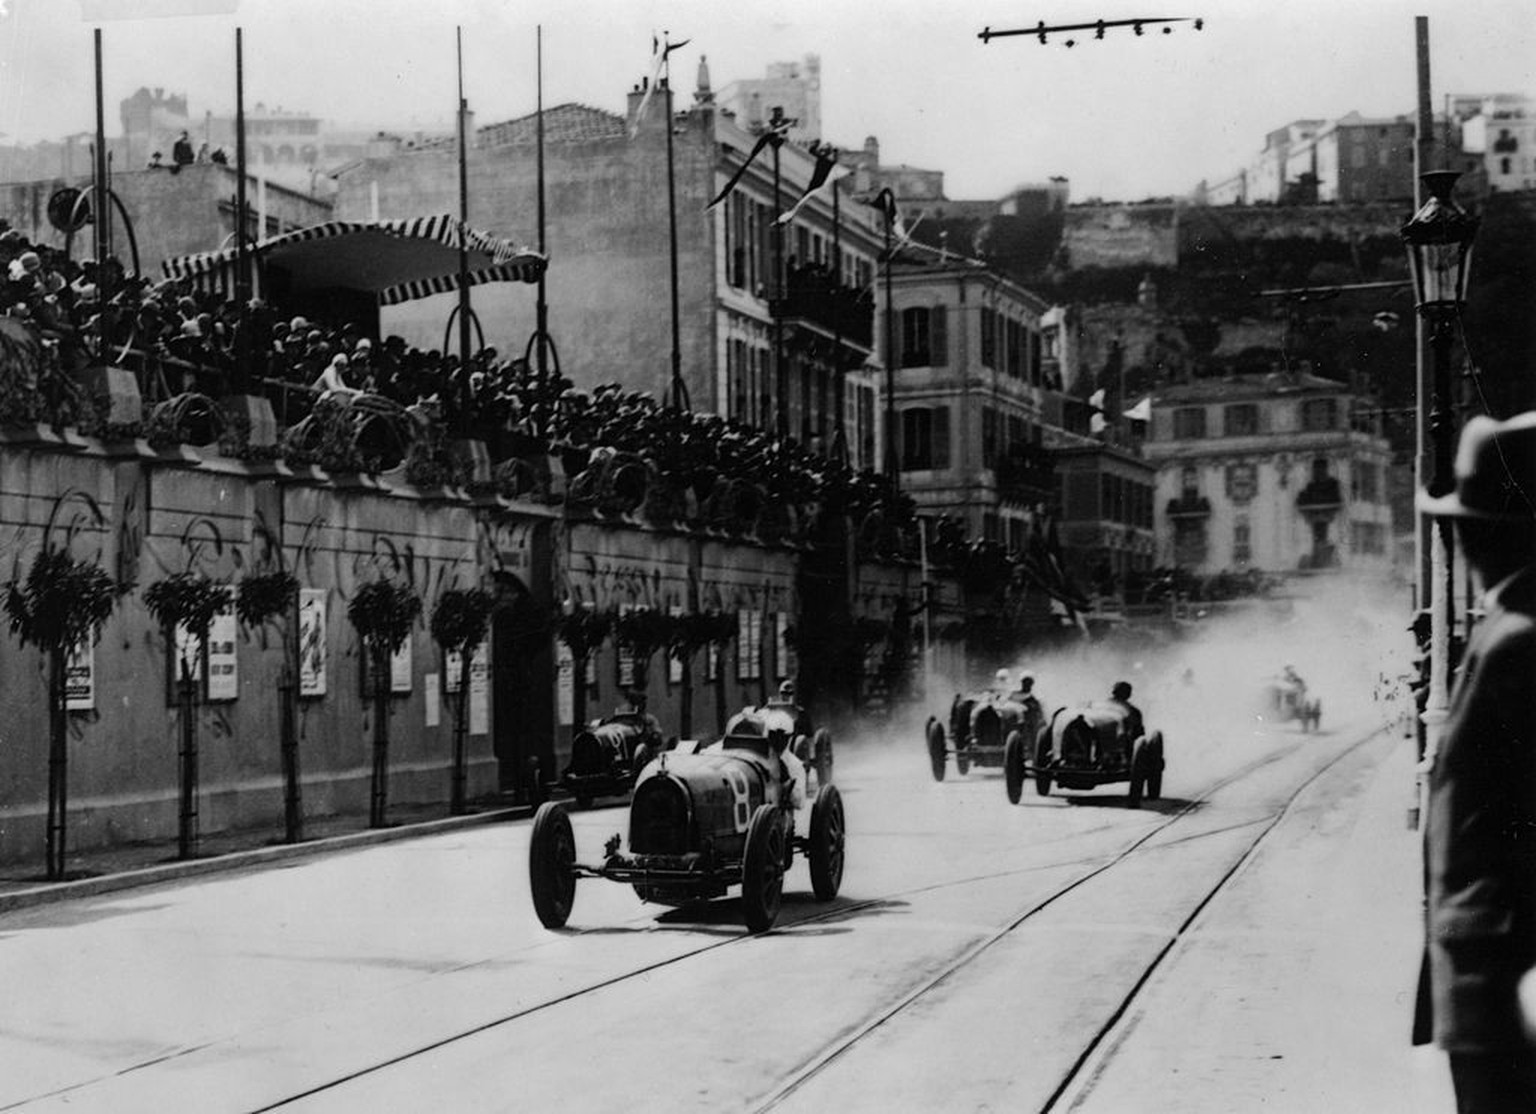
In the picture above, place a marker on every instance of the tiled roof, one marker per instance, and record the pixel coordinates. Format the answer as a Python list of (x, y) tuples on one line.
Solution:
[(1247, 386), (564, 123)]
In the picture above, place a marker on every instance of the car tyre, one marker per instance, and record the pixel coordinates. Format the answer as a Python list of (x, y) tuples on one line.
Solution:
[(551, 865), (762, 869), (962, 760), (828, 837), (821, 752), (1013, 766), (1134, 795), (638, 762), (938, 749), (1155, 767), (1043, 764)]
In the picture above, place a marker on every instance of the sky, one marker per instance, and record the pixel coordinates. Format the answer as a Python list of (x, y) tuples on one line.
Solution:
[(1122, 118)]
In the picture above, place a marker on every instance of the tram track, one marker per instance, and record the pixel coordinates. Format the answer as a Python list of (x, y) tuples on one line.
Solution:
[(1095, 866), (1067, 1085)]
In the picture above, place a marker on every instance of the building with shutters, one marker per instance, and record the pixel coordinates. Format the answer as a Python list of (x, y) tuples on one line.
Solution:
[(1280, 472)]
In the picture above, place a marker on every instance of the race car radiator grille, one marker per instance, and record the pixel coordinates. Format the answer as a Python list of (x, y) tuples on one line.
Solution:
[(659, 818)]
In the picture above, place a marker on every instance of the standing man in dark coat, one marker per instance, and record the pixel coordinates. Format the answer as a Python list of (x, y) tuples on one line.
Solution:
[(1480, 828)]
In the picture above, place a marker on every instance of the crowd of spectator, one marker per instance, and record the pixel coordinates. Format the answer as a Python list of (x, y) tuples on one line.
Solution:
[(184, 339)]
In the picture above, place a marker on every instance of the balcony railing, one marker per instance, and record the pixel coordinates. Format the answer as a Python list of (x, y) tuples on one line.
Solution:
[(1189, 506), (812, 295), (1321, 495)]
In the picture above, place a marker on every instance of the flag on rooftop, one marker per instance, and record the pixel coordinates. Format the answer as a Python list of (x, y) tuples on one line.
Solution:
[(777, 129), (821, 176)]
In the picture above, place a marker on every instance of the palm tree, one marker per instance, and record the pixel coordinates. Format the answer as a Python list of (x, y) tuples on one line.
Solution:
[(383, 613), (261, 598), (190, 601), (459, 622), (63, 603)]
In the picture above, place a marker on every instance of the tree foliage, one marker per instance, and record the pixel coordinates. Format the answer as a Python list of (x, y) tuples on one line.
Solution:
[(62, 602), (384, 613), (461, 617), (186, 599)]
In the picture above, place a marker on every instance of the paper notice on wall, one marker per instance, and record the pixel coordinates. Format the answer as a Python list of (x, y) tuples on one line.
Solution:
[(400, 668), (223, 677), (674, 665), (312, 642), (80, 678), (453, 665), (430, 691), (479, 691), (565, 684)]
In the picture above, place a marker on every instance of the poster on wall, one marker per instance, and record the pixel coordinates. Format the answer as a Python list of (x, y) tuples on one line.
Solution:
[(312, 642), (400, 668), (223, 676), (80, 678), (783, 652), (749, 645), (626, 656), (479, 691), (453, 667), (429, 690), (674, 665), (565, 685)]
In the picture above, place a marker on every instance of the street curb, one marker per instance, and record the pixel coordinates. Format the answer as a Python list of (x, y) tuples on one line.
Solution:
[(50, 892)]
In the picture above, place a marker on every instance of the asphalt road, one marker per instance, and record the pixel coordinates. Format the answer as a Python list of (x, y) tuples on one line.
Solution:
[(980, 956)]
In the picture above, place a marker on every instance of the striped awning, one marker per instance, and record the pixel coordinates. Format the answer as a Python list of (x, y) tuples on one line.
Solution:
[(396, 260)]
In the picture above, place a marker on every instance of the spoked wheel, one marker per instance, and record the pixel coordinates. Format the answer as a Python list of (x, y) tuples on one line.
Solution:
[(1043, 764), (1138, 774), (962, 760), (938, 749), (1155, 766), (551, 865), (1013, 766), (826, 845), (821, 751), (762, 869), (638, 762)]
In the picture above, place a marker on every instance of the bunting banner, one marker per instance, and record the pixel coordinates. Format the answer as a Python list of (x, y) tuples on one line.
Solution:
[(821, 177), (773, 131), (660, 49)]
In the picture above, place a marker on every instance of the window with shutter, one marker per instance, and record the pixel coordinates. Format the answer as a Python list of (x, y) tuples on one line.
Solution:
[(938, 328), (940, 437)]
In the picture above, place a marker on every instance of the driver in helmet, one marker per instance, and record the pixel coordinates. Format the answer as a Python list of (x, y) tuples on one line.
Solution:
[(1001, 682), (1120, 696), (794, 769)]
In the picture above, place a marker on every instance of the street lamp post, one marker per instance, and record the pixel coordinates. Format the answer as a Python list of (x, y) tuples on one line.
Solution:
[(1439, 241)]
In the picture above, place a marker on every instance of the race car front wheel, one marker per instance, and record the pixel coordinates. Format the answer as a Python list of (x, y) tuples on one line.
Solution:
[(938, 751), (551, 865), (762, 869), (826, 844), (1013, 766)]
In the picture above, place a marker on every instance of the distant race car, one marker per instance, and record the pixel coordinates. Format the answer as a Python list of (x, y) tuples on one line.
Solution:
[(1088, 745), (608, 755), (980, 726), (701, 821), (1284, 698)]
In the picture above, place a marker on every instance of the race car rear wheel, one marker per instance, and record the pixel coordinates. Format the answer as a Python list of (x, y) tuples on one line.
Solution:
[(1013, 766), (937, 748), (828, 834), (762, 869), (1155, 766), (1134, 795), (551, 862), (962, 760), (1043, 764), (821, 751), (638, 762)]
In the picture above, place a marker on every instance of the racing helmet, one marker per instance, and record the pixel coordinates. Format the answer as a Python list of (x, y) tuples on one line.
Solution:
[(1026, 681), (786, 690), (1001, 677), (1121, 691)]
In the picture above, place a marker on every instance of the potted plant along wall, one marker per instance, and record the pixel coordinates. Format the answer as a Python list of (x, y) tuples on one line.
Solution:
[(260, 599), (188, 601), (61, 604), (383, 613), (459, 621)]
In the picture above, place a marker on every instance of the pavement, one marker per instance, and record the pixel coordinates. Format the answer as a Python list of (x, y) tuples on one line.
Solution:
[(105, 870)]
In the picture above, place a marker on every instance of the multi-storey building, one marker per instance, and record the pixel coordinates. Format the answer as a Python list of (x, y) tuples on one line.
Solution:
[(771, 317), (1356, 159), (1502, 130), (793, 88), (1278, 472)]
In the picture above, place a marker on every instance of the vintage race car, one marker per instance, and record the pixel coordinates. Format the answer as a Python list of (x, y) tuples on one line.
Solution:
[(1085, 746), (701, 821), (980, 725), (608, 755), (1283, 699), (811, 744)]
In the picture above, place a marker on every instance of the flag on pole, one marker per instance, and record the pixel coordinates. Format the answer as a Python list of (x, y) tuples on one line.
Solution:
[(821, 176), (660, 49), (885, 201), (776, 130)]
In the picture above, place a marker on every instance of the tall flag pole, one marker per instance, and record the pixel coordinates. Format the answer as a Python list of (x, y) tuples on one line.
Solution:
[(464, 309), (679, 391), (778, 132), (839, 444), (541, 313), (101, 210), (242, 254)]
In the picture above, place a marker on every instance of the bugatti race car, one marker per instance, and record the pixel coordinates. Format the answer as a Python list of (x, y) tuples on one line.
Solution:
[(980, 727), (700, 822), (1089, 745), (1284, 698), (608, 755)]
